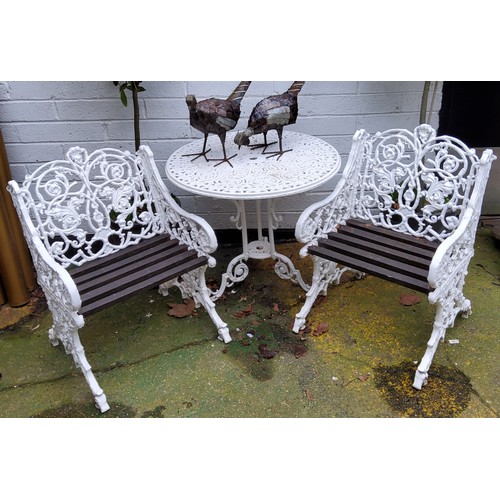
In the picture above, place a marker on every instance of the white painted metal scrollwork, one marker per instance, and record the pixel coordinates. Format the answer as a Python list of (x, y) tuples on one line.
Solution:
[(286, 270), (323, 217), (324, 273), (416, 182), (252, 175), (236, 272), (186, 227), (193, 284), (447, 276), (413, 182), (62, 298), (91, 205)]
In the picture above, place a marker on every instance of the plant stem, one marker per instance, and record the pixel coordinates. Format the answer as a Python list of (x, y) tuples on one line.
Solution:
[(423, 105), (137, 132)]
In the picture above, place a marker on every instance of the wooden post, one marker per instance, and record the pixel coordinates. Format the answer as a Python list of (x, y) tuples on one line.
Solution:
[(3, 297), (16, 270)]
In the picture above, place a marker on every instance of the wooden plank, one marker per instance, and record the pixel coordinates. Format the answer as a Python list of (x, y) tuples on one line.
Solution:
[(113, 297), (129, 265), (103, 289), (386, 262), (395, 235), (387, 241), (373, 269), (395, 253), (120, 254)]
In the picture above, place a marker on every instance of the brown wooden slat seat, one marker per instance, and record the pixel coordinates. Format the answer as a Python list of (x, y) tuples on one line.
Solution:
[(362, 225), (387, 254), (136, 268)]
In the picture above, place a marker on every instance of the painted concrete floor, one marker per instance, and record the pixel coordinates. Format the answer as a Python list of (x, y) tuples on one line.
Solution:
[(356, 358)]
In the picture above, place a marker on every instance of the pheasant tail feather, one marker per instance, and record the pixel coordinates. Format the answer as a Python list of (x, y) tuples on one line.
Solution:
[(296, 87), (239, 92)]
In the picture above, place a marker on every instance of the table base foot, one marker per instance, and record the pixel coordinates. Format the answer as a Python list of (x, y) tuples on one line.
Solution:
[(286, 270), (238, 270)]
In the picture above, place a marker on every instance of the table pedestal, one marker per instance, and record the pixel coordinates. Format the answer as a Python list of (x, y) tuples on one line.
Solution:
[(262, 248)]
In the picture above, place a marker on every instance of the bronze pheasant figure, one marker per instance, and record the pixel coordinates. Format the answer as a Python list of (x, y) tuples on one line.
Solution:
[(272, 113), (216, 116)]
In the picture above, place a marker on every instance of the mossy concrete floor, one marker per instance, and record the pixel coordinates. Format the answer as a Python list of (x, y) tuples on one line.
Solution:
[(356, 358)]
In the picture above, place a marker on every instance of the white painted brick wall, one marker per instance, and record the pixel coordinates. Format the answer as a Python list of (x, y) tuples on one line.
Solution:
[(41, 120)]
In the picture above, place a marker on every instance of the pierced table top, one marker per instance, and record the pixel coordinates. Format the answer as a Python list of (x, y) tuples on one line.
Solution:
[(253, 176)]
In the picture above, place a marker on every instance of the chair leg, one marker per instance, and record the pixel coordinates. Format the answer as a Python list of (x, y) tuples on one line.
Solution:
[(448, 307), (464, 305), (437, 335), (193, 284), (65, 329), (324, 273)]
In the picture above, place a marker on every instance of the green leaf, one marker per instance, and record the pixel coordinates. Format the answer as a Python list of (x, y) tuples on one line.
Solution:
[(123, 97)]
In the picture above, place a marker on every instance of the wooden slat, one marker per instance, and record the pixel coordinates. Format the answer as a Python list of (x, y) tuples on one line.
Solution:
[(103, 289), (392, 275), (395, 253), (121, 254), (382, 261), (113, 297), (392, 234), (388, 241), (127, 266), (110, 279)]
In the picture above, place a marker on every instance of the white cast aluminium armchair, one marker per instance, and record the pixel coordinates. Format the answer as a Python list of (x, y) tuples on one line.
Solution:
[(102, 227), (406, 210)]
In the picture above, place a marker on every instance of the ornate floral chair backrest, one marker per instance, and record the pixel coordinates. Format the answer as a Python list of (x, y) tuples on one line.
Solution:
[(415, 182), (90, 205)]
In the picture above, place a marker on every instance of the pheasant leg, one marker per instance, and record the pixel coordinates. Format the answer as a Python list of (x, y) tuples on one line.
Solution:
[(225, 159), (256, 146), (279, 153), (203, 153)]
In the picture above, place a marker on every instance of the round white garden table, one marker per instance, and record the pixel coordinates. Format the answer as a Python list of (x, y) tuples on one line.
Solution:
[(251, 175)]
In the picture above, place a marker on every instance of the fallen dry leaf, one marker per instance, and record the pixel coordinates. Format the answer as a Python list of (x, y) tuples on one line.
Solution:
[(265, 352), (320, 329), (276, 307), (299, 350), (309, 395), (408, 299), (182, 310), (363, 378), (244, 312)]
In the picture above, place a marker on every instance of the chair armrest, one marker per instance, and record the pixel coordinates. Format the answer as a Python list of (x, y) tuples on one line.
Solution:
[(54, 279), (322, 217), (453, 254), (191, 229)]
